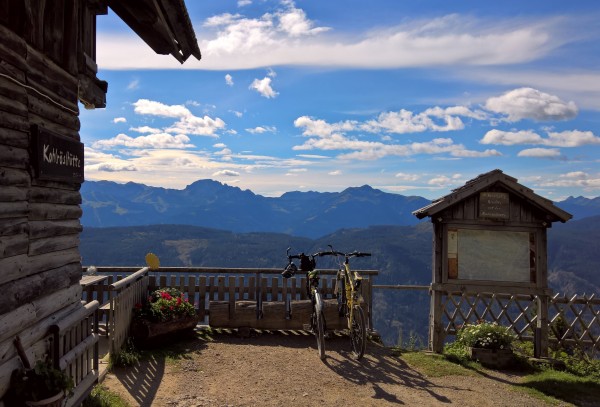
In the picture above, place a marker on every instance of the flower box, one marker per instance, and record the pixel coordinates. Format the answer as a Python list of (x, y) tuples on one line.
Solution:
[(494, 358), (142, 330)]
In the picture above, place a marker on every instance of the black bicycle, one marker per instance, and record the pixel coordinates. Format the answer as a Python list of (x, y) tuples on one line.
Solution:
[(317, 319)]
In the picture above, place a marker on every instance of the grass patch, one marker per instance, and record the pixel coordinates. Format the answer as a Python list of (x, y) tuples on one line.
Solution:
[(564, 386), (434, 365), (102, 397)]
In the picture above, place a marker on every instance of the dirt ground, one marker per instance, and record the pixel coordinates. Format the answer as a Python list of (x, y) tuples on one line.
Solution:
[(283, 369)]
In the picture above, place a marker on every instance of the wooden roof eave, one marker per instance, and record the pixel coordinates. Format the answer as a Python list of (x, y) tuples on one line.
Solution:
[(162, 24), (480, 183)]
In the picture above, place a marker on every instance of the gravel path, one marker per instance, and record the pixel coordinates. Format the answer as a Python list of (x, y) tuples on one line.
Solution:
[(283, 369)]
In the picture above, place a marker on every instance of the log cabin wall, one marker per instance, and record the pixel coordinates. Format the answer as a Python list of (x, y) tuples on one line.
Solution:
[(40, 265)]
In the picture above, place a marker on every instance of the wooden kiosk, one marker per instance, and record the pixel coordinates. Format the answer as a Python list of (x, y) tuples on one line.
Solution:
[(489, 236)]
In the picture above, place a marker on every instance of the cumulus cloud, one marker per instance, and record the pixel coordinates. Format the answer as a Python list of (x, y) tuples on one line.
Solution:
[(219, 145), (161, 140), (579, 179), (243, 3), (332, 136), (570, 138), (263, 87), (262, 129), (528, 103), (407, 177), (188, 123), (226, 173), (229, 80), (509, 138), (236, 113), (119, 120), (540, 153), (146, 129)]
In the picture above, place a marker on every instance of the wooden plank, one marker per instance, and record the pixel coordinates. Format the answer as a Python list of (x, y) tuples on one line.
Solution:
[(232, 288), (13, 226), (12, 210), (274, 289), (14, 245), (52, 228), (13, 176), (221, 283), (13, 157), (252, 288), (202, 296), (52, 195), (46, 211), (52, 112), (13, 194), (52, 244)]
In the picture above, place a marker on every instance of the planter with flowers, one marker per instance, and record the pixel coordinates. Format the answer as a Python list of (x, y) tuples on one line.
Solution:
[(488, 343), (165, 311), (42, 385)]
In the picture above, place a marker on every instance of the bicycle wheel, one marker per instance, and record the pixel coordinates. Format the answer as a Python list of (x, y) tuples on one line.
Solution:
[(320, 334), (358, 333)]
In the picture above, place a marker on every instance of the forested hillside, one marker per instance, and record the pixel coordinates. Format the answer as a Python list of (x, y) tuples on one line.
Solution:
[(402, 254)]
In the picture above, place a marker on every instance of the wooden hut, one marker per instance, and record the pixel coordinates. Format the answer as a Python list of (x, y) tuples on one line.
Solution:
[(489, 236), (47, 66)]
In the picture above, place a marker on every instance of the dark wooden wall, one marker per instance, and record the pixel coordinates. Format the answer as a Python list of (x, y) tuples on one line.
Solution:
[(40, 59)]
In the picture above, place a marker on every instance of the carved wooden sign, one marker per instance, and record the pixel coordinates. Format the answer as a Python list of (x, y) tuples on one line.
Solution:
[(56, 157), (494, 205)]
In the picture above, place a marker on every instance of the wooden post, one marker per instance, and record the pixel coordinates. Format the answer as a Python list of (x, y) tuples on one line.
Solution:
[(542, 323)]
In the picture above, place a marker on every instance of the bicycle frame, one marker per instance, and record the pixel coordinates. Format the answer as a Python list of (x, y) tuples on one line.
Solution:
[(352, 281)]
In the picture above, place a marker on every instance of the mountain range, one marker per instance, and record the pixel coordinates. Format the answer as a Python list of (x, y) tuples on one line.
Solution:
[(211, 204)]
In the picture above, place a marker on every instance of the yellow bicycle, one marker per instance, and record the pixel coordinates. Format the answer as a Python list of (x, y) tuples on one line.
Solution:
[(349, 299)]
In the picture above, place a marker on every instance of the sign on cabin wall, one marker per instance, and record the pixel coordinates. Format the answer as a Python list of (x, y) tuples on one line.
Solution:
[(491, 255), (494, 205), (56, 157)]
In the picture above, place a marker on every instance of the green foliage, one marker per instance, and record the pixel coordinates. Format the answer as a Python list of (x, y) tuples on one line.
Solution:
[(41, 382), (578, 363), (127, 356), (485, 335), (434, 365), (165, 304), (102, 397)]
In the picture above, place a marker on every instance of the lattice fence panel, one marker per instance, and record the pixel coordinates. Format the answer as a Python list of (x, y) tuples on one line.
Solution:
[(515, 311), (575, 320)]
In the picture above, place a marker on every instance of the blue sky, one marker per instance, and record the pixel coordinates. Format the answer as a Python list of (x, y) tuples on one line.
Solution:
[(411, 97)]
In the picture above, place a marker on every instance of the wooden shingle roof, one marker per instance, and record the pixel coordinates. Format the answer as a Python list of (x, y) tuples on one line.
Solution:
[(482, 182), (163, 24)]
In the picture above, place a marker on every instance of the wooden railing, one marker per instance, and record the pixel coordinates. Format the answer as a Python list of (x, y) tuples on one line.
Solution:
[(224, 288), (75, 349)]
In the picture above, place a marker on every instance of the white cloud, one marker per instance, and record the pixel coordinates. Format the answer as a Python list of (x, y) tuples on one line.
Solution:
[(335, 172), (509, 138), (236, 113), (326, 136), (119, 120), (570, 138), (226, 173), (262, 129), (153, 108), (263, 87), (243, 3), (192, 103), (187, 123), (577, 179), (229, 80), (540, 153), (161, 140), (115, 167), (146, 129), (287, 36), (528, 103), (405, 121), (219, 145), (407, 177)]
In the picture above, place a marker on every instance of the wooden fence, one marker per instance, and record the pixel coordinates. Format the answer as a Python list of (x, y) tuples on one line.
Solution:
[(75, 349), (572, 320), (226, 296)]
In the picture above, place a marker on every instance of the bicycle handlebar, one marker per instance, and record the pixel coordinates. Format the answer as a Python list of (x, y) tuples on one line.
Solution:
[(347, 255)]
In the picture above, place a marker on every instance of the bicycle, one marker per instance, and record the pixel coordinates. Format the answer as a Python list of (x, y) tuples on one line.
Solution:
[(317, 319), (350, 299)]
